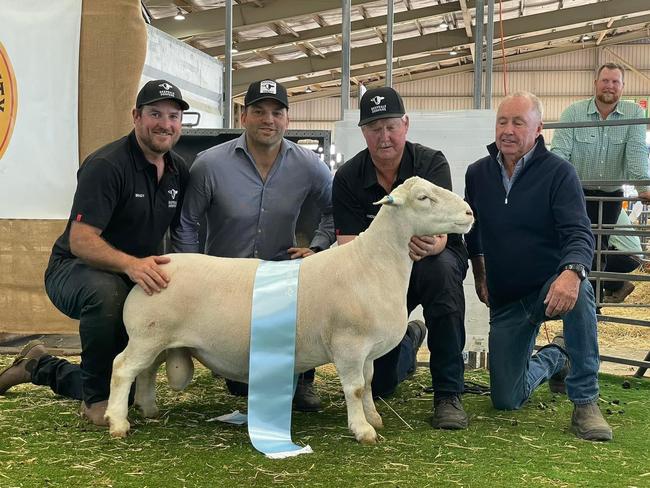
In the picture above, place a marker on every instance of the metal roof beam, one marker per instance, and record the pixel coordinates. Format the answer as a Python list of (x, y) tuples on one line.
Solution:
[(434, 73), (443, 40), (245, 15), (329, 30)]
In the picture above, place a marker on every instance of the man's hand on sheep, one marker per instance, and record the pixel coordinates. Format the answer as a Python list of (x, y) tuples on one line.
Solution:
[(299, 252), (562, 294), (422, 246), (146, 273)]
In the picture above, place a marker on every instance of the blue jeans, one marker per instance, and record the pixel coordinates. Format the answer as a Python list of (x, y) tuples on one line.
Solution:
[(514, 374)]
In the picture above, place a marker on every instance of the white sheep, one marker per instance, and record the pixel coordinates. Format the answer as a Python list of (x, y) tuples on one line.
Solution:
[(351, 309)]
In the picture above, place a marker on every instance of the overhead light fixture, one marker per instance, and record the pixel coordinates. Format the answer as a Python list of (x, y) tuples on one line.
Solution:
[(586, 37), (179, 14), (453, 52), (308, 89), (443, 25), (234, 50)]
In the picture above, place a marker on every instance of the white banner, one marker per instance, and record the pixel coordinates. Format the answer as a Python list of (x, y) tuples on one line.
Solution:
[(39, 64)]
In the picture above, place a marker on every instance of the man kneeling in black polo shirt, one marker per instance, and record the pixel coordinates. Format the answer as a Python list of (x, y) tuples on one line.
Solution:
[(440, 262), (128, 193)]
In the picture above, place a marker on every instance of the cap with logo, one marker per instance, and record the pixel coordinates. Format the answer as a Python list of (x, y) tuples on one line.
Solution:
[(260, 90), (156, 90), (380, 103)]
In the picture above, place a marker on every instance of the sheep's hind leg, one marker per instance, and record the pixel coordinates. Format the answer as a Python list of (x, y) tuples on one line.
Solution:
[(369, 409), (126, 366), (145, 388), (351, 374)]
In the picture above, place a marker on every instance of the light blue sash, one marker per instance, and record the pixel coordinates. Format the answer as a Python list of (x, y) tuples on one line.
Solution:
[(272, 358)]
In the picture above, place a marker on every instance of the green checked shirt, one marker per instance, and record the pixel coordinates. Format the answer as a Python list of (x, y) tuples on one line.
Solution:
[(604, 153)]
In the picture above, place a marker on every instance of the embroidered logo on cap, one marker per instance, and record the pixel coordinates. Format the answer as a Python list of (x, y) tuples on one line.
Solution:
[(166, 86), (377, 99), (268, 86), (377, 108)]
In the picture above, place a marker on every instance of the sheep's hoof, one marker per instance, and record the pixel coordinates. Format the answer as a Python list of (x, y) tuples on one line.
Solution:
[(366, 435), (149, 412), (118, 429), (375, 420), (118, 435)]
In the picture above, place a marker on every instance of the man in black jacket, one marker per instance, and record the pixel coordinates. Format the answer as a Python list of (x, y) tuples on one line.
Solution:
[(440, 262), (531, 249)]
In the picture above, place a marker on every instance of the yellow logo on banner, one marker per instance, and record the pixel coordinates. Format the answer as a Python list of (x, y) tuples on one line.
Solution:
[(8, 100)]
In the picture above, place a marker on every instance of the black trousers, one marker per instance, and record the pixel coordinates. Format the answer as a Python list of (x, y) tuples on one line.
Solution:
[(437, 284), (620, 263), (611, 210), (96, 299)]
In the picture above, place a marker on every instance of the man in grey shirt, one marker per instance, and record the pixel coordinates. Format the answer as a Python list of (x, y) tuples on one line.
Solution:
[(251, 190)]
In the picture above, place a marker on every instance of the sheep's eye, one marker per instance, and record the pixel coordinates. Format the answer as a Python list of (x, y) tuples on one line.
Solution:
[(422, 197)]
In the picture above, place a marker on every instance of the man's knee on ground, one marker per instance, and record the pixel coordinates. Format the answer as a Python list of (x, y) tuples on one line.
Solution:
[(505, 403)]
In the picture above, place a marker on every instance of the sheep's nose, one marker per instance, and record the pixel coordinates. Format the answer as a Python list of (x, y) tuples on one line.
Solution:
[(469, 212)]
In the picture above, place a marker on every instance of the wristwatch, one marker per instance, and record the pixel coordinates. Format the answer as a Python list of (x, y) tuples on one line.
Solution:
[(579, 269)]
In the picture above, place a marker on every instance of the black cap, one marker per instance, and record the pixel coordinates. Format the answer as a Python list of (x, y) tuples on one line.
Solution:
[(380, 103), (156, 90), (260, 90)]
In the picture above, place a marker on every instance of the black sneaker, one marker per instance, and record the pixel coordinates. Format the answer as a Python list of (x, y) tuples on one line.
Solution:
[(448, 413), (556, 382)]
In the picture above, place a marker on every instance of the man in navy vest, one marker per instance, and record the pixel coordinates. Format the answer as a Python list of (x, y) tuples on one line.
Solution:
[(531, 248)]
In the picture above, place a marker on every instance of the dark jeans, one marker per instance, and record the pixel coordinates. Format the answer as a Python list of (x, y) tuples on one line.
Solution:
[(611, 210), (436, 284), (620, 263), (96, 299)]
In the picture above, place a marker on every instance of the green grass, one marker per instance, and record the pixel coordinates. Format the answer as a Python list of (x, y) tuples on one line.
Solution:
[(43, 443)]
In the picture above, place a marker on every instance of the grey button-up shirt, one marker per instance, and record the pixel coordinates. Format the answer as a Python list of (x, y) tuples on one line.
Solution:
[(246, 216)]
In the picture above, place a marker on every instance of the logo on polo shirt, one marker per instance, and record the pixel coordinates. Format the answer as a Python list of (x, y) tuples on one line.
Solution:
[(268, 86), (8, 100), (172, 203), (377, 108)]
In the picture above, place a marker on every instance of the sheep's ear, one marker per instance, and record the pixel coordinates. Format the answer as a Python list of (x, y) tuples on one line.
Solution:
[(394, 199)]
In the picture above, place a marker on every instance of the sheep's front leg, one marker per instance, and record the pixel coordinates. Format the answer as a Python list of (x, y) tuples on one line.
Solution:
[(352, 379), (126, 366), (369, 409)]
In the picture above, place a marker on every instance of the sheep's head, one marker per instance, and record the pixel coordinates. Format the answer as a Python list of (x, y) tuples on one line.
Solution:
[(432, 209)]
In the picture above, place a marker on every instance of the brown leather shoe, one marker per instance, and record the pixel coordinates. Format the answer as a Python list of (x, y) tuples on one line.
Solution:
[(20, 370), (587, 423), (94, 413), (621, 294)]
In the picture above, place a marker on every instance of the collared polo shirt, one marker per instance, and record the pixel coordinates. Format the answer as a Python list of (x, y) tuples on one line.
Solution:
[(508, 181), (604, 153), (355, 188), (118, 192)]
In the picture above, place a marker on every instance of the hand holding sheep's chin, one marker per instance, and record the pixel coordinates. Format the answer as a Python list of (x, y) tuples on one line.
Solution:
[(146, 273), (299, 252), (423, 246), (562, 294)]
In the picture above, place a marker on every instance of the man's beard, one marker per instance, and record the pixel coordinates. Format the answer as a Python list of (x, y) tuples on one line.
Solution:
[(607, 98)]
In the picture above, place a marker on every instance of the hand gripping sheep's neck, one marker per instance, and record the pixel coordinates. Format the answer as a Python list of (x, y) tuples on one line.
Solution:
[(351, 309)]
